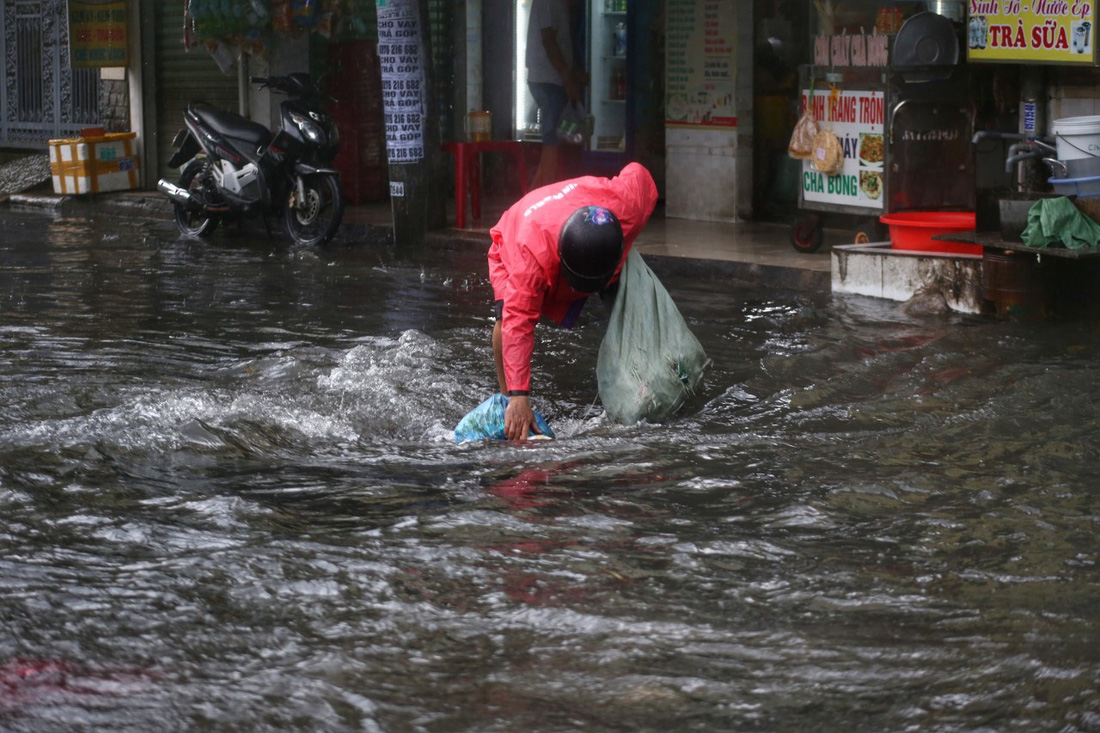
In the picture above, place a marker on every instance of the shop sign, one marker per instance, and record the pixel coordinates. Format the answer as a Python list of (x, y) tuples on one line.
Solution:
[(1030, 31), (98, 31), (858, 121), (858, 50), (700, 67)]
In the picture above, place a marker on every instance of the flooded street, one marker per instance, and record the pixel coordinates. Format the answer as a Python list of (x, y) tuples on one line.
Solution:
[(230, 500)]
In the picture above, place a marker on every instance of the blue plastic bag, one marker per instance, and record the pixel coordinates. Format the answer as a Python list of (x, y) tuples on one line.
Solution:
[(486, 422)]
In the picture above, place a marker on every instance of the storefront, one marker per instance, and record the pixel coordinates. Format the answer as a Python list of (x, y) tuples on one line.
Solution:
[(1042, 63), (182, 73), (64, 70), (707, 63), (780, 47), (207, 50), (1022, 66)]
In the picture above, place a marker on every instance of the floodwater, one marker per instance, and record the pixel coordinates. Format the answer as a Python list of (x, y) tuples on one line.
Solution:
[(230, 500)]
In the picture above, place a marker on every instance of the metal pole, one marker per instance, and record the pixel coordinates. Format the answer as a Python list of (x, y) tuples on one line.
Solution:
[(412, 127), (1033, 95), (242, 85)]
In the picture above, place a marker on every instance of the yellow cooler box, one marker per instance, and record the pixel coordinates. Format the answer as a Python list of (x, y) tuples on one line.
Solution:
[(94, 164)]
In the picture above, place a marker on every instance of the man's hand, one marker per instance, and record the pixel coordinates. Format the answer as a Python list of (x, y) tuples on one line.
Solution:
[(519, 419)]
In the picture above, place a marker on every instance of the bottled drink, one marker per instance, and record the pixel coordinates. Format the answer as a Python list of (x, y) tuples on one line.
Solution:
[(619, 39)]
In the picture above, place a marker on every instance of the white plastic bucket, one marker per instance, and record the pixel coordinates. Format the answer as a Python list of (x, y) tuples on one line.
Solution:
[(1077, 137)]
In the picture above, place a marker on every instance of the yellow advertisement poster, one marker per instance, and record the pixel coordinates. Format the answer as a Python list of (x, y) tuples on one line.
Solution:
[(97, 33), (1030, 31)]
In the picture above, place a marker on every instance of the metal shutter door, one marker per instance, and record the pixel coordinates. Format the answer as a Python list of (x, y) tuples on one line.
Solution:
[(183, 76)]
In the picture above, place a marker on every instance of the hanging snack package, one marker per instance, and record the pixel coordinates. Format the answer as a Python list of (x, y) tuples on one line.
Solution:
[(649, 362), (801, 145), (828, 155)]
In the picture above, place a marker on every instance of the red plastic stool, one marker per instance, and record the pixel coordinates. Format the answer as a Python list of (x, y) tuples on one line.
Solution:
[(468, 172)]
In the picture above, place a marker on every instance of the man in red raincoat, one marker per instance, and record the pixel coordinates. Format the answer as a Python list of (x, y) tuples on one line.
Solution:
[(551, 250)]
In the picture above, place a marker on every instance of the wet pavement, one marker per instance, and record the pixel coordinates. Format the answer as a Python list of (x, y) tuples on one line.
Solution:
[(746, 251), (24, 173)]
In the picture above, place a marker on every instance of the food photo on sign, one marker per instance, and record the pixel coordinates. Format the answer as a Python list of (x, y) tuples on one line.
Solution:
[(871, 158), (846, 160)]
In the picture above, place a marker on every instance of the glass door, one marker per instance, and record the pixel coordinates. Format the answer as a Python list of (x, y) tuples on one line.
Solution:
[(607, 58)]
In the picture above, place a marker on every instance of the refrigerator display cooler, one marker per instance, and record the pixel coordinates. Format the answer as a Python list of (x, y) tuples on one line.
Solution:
[(607, 65), (606, 54)]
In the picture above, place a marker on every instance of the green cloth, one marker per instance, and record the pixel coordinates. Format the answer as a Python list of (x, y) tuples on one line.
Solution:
[(1053, 222), (649, 362)]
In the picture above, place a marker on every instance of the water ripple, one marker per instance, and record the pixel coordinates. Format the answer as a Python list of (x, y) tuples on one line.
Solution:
[(231, 500)]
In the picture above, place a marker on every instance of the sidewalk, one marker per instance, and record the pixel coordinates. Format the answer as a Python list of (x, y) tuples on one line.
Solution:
[(753, 252)]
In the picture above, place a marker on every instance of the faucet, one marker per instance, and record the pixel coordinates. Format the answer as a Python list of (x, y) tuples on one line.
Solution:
[(1016, 152), (1042, 143), (1027, 149), (1019, 157), (1054, 165)]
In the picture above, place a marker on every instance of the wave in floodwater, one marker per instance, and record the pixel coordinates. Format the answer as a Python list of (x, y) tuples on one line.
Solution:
[(230, 499)]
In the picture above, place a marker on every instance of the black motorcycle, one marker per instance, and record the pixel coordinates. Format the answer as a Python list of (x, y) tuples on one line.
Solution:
[(241, 168)]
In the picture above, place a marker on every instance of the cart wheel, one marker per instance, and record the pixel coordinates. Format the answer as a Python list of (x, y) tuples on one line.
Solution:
[(871, 231), (807, 233)]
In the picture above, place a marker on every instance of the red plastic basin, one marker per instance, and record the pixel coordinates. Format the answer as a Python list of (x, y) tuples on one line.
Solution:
[(913, 230)]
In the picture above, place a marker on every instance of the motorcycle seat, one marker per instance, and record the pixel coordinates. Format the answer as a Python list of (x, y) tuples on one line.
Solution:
[(230, 124)]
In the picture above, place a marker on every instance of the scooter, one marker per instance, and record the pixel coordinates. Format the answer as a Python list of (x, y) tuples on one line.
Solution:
[(233, 167)]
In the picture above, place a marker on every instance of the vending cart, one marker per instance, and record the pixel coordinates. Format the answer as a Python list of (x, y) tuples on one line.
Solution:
[(900, 110)]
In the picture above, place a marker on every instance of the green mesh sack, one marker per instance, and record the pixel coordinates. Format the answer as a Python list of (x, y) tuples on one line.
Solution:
[(649, 361)]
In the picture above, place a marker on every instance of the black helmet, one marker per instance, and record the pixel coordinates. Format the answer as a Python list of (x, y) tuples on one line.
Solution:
[(590, 247)]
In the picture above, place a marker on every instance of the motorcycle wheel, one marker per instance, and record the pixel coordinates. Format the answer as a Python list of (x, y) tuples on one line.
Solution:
[(313, 221), (194, 223)]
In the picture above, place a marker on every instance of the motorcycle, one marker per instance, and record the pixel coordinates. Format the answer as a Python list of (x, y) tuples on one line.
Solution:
[(240, 168)]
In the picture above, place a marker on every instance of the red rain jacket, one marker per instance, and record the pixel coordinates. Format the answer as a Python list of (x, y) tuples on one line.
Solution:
[(523, 259)]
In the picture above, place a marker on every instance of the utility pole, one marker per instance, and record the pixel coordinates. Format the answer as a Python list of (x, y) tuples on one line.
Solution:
[(412, 128)]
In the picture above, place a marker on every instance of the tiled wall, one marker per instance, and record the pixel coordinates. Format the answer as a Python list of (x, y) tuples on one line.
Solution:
[(1074, 101)]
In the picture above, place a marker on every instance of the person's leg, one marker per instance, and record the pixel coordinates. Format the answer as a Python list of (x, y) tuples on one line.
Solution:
[(551, 100), (498, 346), (547, 172)]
